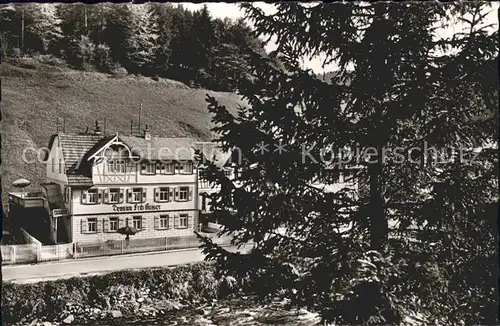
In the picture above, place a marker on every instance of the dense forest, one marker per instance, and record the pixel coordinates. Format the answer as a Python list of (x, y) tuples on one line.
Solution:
[(153, 39)]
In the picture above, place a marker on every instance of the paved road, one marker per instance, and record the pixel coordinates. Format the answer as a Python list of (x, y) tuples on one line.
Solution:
[(102, 265)]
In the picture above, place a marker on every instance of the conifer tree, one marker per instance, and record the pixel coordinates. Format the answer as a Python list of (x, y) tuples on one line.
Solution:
[(142, 36), (40, 27), (420, 237)]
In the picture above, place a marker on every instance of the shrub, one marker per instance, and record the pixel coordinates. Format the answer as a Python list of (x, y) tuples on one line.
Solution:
[(80, 53), (118, 71), (102, 58), (117, 290), (49, 60)]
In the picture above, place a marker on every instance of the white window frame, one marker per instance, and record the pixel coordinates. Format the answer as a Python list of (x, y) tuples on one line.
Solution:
[(148, 165), (92, 193), (111, 193), (185, 169), (169, 168), (181, 190), (183, 217), (113, 220), (92, 221), (116, 166), (163, 191), (135, 219), (134, 193), (161, 219)]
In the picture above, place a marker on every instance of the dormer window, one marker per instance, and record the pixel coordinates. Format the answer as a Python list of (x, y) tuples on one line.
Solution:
[(188, 167), (185, 167), (148, 168), (167, 168)]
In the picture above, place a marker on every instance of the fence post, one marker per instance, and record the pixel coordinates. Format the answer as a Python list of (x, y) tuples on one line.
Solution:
[(74, 250), (38, 252), (166, 243), (121, 243), (13, 254)]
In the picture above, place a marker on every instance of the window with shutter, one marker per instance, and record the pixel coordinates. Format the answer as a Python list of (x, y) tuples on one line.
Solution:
[(190, 221), (113, 224), (91, 196), (183, 194), (121, 195), (143, 195), (137, 222), (136, 195), (169, 168), (187, 168), (157, 223), (171, 193), (129, 195), (163, 222), (176, 197), (91, 225), (183, 221), (162, 194), (113, 195), (84, 197), (190, 193), (122, 222), (99, 194), (176, 221)]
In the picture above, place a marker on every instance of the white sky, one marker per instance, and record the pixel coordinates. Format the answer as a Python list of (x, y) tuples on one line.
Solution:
[(231, 10)]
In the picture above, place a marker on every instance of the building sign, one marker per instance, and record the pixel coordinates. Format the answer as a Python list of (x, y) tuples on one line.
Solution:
[(136, 208)]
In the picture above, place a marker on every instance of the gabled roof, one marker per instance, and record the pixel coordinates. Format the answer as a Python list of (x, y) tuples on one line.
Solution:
[(101, 143), (74, 147), (164, 149), (78, 150)]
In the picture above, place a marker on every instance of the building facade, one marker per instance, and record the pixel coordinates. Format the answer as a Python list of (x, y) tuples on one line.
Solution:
[(108, 182)]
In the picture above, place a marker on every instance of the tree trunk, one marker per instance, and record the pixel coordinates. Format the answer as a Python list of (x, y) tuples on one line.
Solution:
[(378, 222), (22, 30)]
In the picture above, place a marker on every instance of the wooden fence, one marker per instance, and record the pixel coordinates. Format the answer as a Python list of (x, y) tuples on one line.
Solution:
[(19, 254)]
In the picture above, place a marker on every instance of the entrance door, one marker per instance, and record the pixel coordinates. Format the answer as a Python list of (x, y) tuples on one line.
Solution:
[(62, 234)]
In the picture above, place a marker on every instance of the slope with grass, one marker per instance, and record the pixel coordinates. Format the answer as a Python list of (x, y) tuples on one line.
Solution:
[(35, 95)]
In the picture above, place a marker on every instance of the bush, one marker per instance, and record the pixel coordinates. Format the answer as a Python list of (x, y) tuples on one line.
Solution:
[(118, 290), (102, 58), (49, 60), (118, 71), (80, 53)]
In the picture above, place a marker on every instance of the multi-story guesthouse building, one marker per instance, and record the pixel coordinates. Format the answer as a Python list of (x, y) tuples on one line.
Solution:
[(100, 183)]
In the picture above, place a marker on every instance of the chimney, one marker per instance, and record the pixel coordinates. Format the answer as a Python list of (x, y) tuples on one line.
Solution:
[(97, 130), (147, 133)]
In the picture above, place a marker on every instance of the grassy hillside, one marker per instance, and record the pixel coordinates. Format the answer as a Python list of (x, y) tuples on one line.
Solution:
[(34, 95)]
